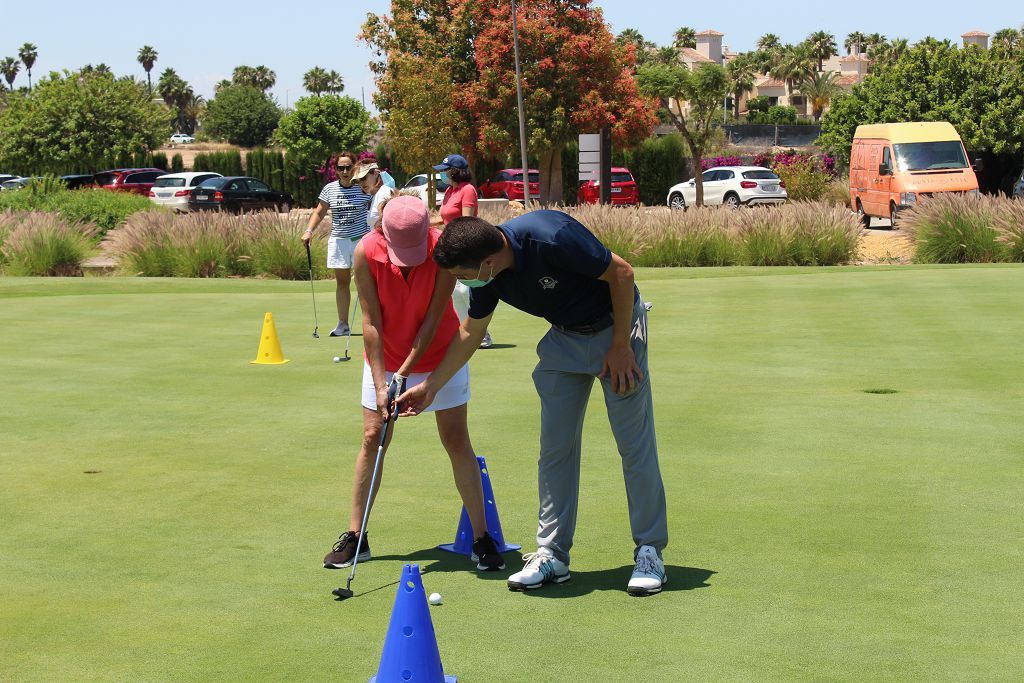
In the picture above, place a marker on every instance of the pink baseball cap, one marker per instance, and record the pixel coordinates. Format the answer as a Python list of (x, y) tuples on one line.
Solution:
[(406, 225)]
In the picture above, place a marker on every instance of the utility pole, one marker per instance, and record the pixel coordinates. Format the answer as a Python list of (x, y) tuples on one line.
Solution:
[(522, 112)]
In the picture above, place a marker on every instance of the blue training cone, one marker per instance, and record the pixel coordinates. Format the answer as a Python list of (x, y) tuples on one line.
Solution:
[(410, 649), (463, 544)]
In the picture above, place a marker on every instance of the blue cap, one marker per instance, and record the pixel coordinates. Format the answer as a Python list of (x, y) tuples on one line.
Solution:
[(452, 161)]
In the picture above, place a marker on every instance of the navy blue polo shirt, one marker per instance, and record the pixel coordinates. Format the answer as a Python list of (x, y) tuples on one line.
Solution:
[(555, 277)]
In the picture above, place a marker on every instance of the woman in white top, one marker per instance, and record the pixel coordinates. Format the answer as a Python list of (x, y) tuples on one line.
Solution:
[(368, 175)]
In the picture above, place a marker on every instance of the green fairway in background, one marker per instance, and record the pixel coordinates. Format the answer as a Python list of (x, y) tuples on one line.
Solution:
[(819, 530)]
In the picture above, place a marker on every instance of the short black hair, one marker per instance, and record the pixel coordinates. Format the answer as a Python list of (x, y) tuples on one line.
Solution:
[(459, 175), (466, 242)]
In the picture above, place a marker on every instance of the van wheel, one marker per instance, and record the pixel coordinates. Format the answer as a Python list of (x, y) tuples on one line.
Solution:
[(676, 202), (732, 201), (865, 219), (892, 215)]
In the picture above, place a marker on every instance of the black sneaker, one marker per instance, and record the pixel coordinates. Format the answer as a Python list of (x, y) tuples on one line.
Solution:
[(345, 551), (486, 555)]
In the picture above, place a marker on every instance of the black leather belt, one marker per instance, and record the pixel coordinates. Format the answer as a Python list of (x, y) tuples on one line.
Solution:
[(588, 329)]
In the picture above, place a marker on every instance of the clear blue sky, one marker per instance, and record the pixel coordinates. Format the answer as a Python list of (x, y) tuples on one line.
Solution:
[(204, 42)]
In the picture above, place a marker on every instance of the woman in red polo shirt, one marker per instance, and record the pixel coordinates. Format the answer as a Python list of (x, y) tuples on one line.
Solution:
[(408, 323)]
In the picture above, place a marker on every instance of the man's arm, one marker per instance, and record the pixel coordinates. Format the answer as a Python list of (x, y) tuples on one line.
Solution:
[(620, 362), (464, 345)]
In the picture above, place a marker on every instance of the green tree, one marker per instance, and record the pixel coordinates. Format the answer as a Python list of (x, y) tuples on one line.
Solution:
[(769, 42), (147, 58), (10, 67), (259, 77), (315, 80), (794, 63), (979, 91), (28, 53), (823, 46), (819, 89), (243, 115), (742, 72), (78, 121), (693, 99), (177, 95), (322, 125), (335, 83), (684, 37), (854, 43)]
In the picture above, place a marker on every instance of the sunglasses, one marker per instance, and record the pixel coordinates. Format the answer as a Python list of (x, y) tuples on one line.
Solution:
[(345, 168)]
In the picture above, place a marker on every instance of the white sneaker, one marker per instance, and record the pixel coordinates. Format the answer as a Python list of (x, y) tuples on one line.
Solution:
[(342, 330), (649, 573), (487, 341), (540, 568)]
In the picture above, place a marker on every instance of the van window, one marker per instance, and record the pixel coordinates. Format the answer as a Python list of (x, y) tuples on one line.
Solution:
[(930, 156), (887, 157)]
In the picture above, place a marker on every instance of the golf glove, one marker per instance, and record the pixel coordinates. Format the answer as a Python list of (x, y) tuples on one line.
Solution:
[(396, 388)]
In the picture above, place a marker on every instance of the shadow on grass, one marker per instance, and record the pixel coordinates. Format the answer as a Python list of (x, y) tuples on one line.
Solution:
[(583, 582), (499, 346)]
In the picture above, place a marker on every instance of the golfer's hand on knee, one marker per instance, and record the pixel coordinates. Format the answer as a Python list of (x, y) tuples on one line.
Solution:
[(621, 368), (416, 400)]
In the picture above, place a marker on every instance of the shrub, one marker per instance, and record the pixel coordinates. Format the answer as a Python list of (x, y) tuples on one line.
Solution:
[(762, 237), (821, 234), (1009, 221), (657, 164), (177, 164), (226, 163), (45, 244), (243, 115), (954, 229), (804, 180), (839, 191), (776, 114), (103, 208), (705, 164)]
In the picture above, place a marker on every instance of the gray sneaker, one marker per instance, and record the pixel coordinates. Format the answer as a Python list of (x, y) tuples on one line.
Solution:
[(342, 330), (540, 568)]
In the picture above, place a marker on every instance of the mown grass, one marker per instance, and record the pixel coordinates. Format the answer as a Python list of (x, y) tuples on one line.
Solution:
[(817, 531)]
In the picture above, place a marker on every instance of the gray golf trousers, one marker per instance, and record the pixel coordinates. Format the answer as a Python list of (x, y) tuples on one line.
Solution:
[(564, 376)]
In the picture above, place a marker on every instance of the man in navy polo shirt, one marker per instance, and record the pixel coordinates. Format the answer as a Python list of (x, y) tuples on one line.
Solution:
[(549, 265)]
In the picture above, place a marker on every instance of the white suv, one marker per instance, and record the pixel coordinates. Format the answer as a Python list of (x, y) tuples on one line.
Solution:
[(181, 139), (418, 184), (732, 186), (173, 190)]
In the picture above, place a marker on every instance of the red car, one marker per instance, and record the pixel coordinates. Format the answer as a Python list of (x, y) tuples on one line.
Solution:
[(134, 180), (624, 189), (508, 184)]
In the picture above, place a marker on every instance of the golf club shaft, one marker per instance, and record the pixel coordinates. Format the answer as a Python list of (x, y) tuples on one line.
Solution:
[(369, 496), (312, 290)]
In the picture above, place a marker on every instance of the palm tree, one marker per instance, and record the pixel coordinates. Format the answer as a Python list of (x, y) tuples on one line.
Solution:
[(641, 46), (666, 55), (10, 67), (769, 42), (147, 58), (193, 110), (742, 72), (176, 94), (854, 43), (28, 53), (684, 37), (264, 78), (873, 40), (315, 80), (888, 53), (794, 63), (335, 82), (1006, 40), (823, 46), (820, 89)]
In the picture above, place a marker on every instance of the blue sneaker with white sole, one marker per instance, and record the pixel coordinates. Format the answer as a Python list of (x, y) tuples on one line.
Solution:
[(541, 567), (648, 574)]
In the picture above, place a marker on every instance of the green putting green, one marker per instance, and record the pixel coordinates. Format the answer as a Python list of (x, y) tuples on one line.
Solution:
[(843, 451)]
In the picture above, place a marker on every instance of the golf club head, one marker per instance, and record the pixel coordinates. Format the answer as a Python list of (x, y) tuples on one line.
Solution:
[(315, 335), (342, 593)]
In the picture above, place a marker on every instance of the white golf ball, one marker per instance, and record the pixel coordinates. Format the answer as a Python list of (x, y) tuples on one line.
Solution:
[(435, 598), (337, 359)]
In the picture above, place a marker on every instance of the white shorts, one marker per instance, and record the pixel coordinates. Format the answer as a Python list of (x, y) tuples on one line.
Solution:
[(340, 251), (454, 393)]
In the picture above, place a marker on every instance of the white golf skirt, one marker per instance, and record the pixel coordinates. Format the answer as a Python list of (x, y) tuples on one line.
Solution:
[(454, 393)]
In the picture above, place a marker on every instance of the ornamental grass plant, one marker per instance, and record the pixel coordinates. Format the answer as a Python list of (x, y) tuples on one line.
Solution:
[(45, 244), (957, 229), (206, 244)]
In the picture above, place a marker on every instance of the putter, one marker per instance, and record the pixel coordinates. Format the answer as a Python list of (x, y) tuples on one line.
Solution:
[(346, 592), (316, 321), (352, 320)]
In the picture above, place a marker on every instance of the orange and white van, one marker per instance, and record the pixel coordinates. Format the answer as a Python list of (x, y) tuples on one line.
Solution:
[(895, 165)]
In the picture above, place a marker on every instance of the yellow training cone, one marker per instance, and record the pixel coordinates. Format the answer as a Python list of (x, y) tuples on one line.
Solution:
[(269, 352)]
